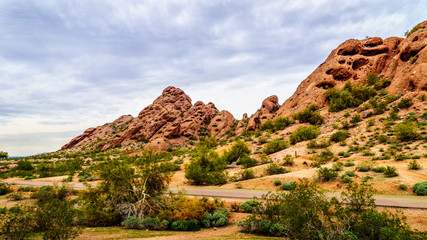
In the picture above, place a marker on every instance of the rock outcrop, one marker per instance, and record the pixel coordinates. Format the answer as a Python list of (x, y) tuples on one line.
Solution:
[(401, 60), (268, 108), (170, 116)]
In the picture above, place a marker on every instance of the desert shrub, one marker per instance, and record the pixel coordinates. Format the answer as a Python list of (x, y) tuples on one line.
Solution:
[(274, 168), (420, 188), (363, 168), (414, 165), (267, 126), (390, 172), (281, 123), (26, 189), (403, 187), (17, 224), (277, 182), (132, 223), (288, 160), (349, 163), (239, 150), (344, 154), (4, 189), (249, 205), (323, 157), (275, 145), (244, 175), (349, 173), (289, 185), (247, 161), (404, 103), (206, 168), (24, 165), (355, 119), (382, 138), (346, 179), (209, 143), (218, 218), (304, 133), (414, 29), (309, 115), (324, 143), (406, 131), (326, 174), (154, 224), (340, 136), (379, 169), (350, 96), (186, 225)]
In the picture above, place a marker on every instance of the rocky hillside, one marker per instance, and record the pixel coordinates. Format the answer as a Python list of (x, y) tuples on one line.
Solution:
[(173, 119), (403, 61), (170, 119)]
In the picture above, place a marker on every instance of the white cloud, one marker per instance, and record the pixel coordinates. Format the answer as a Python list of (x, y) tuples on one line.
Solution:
[(69, 65)]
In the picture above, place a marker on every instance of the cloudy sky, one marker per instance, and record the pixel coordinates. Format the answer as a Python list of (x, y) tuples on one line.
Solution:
[(66, 66)]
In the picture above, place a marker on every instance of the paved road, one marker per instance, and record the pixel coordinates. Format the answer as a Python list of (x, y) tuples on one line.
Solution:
[(416, 202)]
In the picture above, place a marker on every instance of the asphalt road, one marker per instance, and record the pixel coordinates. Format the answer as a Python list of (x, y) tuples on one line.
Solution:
[(394, 201)]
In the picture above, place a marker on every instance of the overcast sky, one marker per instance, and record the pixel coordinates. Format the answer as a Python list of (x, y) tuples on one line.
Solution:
[(66, 66)]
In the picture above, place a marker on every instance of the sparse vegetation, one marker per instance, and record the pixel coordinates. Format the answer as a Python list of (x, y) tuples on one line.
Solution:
[(304, 133), (309, 115), (275, 145)]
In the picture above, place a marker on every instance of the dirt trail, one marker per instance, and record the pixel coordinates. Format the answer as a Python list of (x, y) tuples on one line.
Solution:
[(202, 234)]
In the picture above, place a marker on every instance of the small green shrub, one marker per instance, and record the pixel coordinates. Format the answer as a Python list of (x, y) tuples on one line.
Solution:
[(390, 172), (326, 174), (324, 143), (26, 189), (405, 103), (277, 182), (346, 179), (218, 218), (403, 187), (186, 225), (406, 131), (132, 223), (420, 188), (244, 174), (379, 169), (154, 224), (275, 145), (289, 185), (247, 161), (304, 133), (249, 205), (349, 173), (349, 163), (4, 189), (414, 165), (273, 168), (363, 168), (309, 115), (340, 136)]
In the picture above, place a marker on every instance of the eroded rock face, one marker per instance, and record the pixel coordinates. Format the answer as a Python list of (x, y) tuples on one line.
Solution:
[(171, 116), (401, 60), (267, 112)]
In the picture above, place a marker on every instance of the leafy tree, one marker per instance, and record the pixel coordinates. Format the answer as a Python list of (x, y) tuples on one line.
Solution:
[(3, 155), (206, 168), (238, 151)]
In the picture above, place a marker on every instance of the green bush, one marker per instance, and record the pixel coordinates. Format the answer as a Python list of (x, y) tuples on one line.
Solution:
[(363, 168), (288, 160), (403, 186), (4, 189), (154, 224), (349, 163), (218, 218), (348, 97), (309, 115), (349, 173), (17, 224), (186, 225), (326, 174), (323, 157), (340, 136), (405, 103), (346, 179), (277, 182), (420, 188), (312, 144), (379, 169), (304, 133), (406, 131), (244, 175), (275, 145), (390, 172), (414, 165), (278, 124), (249, 205), (132, 223), (273, 168), (26, 189), (289, 185), (247, 161)]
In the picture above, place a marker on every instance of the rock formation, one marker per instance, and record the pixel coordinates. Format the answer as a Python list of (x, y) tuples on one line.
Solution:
[(170, 116)]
